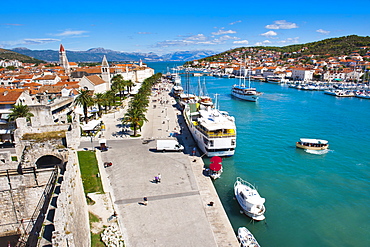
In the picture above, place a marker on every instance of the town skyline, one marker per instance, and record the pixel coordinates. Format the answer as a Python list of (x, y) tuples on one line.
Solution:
[(167, 27)]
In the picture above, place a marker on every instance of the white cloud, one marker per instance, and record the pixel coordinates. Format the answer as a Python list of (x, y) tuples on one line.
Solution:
[(70, 33), (233, 23), (281, 24), (168, 43), (38, 41), (242, 42), (290, 41), (199, 36), (144, 33), (322, 31), (269, 34), (227, 37), (27, 42), (221, 32), (198, 39), (265, 42)]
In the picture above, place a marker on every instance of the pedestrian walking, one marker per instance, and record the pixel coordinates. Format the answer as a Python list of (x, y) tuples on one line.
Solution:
[(159, 177), (145, 201)]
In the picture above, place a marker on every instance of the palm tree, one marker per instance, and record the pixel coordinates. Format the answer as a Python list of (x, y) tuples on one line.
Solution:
[(135, 117), (19, 111), (99, 100), (109, 99), (85, 100), (118, 84), (129, 85)]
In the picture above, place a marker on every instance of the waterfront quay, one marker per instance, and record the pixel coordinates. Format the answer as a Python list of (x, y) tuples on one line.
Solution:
[(184, 208)]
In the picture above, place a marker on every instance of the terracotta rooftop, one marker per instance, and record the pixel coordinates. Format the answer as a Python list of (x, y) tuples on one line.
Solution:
[(96, 80), (9, 96)]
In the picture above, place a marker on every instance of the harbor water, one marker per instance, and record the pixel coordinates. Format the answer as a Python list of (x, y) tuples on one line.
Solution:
[(312, 199)]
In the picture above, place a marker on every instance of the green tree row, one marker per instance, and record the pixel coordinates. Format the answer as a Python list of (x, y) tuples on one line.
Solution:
[(138, 105)]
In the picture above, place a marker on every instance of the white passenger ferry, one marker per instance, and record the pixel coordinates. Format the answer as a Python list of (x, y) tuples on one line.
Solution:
[(213, 130)]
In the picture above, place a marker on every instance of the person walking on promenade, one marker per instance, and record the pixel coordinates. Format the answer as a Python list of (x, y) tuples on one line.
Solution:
[(145, 201), (159, 177)]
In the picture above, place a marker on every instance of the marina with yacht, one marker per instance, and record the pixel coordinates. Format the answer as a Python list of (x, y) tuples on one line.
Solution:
[(283, 116)]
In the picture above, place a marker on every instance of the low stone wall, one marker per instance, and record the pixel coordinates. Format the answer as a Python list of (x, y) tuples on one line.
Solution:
[(71, 216)]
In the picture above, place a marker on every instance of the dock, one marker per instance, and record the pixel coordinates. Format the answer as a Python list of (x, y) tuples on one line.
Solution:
[(184, 208)]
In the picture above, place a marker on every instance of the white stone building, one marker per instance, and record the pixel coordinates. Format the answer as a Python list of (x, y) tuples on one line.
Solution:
[(302, 74), (94, 83)]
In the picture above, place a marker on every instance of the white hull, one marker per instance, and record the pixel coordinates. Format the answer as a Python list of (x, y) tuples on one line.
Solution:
[(214, 143), (249, 199), (245, 93), (252, 98), (246, 238), (214, 175)]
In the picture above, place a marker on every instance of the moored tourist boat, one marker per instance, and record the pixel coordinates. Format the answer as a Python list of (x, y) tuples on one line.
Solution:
[(213, 130), (244, 92), (249, 199), (177, 89), (246, 238), (312, 144)]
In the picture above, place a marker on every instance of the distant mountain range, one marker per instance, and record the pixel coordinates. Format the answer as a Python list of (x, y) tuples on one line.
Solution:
[(12, 55), (96, 55)]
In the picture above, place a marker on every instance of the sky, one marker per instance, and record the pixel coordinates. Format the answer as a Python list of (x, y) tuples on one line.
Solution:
[(167, 26)]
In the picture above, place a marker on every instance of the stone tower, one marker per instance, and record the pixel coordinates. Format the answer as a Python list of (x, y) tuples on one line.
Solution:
[(105, 73), (63, 61)]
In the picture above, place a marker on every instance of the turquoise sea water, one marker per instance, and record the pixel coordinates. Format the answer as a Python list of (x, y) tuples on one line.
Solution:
[(311, 199)]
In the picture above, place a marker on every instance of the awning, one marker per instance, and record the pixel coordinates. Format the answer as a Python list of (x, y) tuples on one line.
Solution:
[(91, 125), (215, 166), (216, 159)]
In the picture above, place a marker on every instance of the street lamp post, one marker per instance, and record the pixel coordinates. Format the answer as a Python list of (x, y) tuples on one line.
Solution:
[(92, 144)]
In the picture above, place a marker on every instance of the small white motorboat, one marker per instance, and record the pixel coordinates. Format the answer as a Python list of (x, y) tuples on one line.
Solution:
[(312, 144), (249, 199), (246, 238), (215, 168)]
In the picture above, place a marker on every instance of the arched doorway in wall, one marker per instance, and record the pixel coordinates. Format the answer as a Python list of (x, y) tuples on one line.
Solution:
[(48, 161)]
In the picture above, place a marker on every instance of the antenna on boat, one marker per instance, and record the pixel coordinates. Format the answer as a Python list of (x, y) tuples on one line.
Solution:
[(216, 101)]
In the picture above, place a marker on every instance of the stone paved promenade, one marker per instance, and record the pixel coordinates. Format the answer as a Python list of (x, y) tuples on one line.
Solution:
[(177, 213)]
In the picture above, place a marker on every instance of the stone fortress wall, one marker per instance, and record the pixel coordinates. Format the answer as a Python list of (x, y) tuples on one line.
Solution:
[(71, 217), (18, 202)]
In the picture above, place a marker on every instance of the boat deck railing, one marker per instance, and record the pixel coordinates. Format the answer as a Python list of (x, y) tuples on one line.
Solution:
[(230, 133), (239, 179)]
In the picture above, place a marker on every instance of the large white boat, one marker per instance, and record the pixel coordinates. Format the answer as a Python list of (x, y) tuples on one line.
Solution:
[(213, 130), (177, 89), (246, 238), (312, 144), (241, 91), (249, 199), (245, 93)]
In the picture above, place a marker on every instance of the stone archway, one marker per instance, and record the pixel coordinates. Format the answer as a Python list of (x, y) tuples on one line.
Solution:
[(48, 161)]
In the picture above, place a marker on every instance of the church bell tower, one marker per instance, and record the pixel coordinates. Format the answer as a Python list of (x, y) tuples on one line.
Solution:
[(63, 61), (105, 73)]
